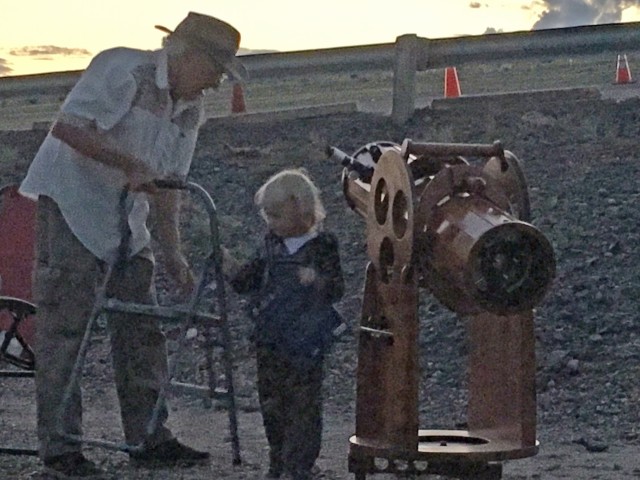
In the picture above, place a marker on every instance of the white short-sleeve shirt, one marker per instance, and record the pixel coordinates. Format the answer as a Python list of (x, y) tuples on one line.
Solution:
[(125, 93)]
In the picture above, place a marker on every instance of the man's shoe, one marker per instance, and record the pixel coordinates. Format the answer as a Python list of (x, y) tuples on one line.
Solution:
[(296, 476), (276, 466), (169, 454), (274, 471), (69, 466)]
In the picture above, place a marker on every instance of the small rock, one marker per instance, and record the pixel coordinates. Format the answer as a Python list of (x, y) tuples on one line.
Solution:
[(191, 333), (573, 366), (592, 445), (555, 359)]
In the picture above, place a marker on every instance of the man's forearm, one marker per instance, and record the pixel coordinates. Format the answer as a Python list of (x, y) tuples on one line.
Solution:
[(92, 144), (166, 219)]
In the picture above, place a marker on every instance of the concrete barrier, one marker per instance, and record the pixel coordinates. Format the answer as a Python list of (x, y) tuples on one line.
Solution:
[(286, 114), (517, 99)]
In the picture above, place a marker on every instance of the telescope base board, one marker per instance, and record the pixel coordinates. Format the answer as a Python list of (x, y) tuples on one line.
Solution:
[(453, 453)]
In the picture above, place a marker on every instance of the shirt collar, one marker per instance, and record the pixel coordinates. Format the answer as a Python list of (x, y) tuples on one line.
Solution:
[(162, 69), (294, 244)]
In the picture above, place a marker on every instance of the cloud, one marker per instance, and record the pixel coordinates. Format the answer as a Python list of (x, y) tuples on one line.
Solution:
[(571, 13), (5, 69), (46, 52)]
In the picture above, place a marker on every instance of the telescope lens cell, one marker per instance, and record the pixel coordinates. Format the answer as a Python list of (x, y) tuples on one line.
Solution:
[(512, 268)]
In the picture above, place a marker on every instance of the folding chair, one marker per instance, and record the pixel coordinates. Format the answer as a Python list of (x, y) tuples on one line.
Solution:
[(17, 221)]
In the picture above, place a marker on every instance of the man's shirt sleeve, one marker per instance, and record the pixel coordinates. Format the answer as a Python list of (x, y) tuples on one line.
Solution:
[(104, 93)]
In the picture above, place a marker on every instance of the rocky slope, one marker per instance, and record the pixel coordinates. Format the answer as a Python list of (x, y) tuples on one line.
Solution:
[(583, 168)]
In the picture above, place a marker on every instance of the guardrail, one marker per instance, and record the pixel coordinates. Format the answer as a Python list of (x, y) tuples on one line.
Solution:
[(405, 57), (413, 53)]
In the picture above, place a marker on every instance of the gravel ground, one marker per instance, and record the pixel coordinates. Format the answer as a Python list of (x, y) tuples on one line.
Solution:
[(582, 165)]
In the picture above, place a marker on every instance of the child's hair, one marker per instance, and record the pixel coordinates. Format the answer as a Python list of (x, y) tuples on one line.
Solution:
[(291, 184)]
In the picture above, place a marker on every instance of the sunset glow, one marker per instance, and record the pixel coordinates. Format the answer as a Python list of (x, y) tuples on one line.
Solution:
[(39, 36)]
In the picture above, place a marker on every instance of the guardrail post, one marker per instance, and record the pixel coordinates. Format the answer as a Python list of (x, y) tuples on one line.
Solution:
[(404, 78)]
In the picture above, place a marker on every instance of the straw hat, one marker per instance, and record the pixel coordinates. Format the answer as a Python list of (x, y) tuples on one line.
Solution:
[(216, 38)]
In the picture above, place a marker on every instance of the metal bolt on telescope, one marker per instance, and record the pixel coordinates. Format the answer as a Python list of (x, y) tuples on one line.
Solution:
[(459, 229)]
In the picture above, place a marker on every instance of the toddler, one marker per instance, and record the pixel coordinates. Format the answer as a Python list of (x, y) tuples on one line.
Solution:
[(295, 278)]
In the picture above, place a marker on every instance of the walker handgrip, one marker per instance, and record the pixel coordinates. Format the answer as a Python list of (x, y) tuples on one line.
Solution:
[(170, 184)]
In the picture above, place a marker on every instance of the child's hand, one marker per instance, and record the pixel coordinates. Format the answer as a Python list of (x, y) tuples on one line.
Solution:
[(307, 275)]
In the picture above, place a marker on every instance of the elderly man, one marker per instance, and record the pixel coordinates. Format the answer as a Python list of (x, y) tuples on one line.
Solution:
[(133, 117)]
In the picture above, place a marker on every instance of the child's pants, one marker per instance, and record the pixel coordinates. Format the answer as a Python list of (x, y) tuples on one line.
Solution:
[(291, 403)]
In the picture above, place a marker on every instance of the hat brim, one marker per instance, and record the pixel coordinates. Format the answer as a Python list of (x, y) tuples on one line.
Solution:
[(232, 66)]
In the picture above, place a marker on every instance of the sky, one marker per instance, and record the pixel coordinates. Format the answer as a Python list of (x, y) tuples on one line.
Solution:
[(40, 36)]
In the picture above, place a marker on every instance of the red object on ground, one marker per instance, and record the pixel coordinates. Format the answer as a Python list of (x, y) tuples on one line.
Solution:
[(17, 243), (451, 83), (623, 74)]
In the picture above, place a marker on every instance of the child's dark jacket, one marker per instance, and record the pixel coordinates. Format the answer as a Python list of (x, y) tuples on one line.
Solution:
[(293, 319)]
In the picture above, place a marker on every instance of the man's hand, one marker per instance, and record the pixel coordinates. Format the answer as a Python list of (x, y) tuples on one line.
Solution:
[(178, 269), (141, 179)]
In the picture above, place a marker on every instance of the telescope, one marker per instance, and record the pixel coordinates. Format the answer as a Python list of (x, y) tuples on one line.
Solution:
[(452, 219)]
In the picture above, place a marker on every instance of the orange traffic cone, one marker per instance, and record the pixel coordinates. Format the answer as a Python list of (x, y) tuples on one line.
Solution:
[(623, 74), (237, 101), (451, 83)]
